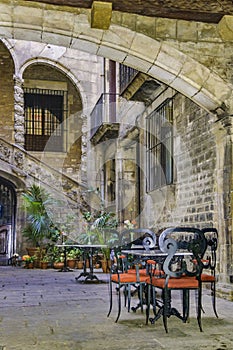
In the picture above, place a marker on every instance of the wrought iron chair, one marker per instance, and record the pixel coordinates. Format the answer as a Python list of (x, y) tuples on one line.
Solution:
[(182, 245), (124, 275), (209, 263)]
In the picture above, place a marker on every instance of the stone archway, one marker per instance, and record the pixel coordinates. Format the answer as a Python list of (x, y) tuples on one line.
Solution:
[(127, 40)]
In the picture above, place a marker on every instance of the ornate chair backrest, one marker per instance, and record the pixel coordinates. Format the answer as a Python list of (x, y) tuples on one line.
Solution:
[(136, 238), (183, 245), (139, 236), (211, 235)]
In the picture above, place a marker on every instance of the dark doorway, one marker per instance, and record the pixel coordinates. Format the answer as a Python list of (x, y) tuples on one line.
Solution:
[(7, 220)]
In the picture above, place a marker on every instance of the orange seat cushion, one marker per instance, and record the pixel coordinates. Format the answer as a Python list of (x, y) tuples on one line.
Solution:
[(121, 256), (127, 278), (141, 271), (175, 283), (157, 272), (207, 278), (151, 262)]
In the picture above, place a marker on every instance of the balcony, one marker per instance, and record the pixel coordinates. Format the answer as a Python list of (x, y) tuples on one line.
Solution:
[(137, 86), (103, 119)]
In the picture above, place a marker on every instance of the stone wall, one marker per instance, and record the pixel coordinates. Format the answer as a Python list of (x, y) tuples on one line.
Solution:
[(195, 160), (191, 199), (6, 94)]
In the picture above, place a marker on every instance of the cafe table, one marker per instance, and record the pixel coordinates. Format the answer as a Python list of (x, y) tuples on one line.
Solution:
[(88, 252), (144, 254), (64, 247), (152, 253)]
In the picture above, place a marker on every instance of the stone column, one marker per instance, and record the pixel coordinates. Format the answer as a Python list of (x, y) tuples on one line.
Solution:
[(84, 151), (19, 111), (20, 243), (224, 198)]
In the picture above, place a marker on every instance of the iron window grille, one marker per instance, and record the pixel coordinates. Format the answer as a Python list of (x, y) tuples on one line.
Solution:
[(159, 146), (126, 76), (45, 112)]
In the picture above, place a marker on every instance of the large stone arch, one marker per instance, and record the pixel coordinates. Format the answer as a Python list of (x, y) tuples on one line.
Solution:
[(70, 27)]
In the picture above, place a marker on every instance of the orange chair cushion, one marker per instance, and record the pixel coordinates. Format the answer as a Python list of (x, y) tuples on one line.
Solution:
[(157, 272), (207, 278), (141, 271), (175, 283), (151, 262), (127, 278)]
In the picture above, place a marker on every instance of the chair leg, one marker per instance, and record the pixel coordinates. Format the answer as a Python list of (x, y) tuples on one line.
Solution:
[(110, 297), (119, 305), (199, 308), (148, 302), (154, 299), (213, 292), (129, 296), (186, 302), (141, 296), (166, 301)]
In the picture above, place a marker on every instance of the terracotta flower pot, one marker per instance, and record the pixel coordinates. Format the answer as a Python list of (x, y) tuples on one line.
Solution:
[(58, 265), (79, 265), (44, 265), (71, 263), (29, 265)]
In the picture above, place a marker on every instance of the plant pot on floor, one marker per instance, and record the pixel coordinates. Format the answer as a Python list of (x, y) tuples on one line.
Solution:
[(79, 265), (58, 265), (37, 252), (44, 265), (29, 265), (71, 263)]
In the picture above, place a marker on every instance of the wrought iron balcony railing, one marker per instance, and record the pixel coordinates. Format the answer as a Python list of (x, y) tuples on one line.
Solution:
[(127, 74), (103, 116)]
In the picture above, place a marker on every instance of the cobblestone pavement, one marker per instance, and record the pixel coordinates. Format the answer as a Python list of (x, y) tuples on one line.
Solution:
[(47, 309)]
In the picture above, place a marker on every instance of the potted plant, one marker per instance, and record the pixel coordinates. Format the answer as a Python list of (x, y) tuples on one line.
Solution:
[(59, 262), (103, 231), (72, 256), (44, 262), (29, 261), (55, 256), (38, 222), (36, 201)]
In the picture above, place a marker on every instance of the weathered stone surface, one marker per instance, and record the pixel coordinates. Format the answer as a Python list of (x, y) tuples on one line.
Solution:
[(82, 322), (225, 28), (101, 13)]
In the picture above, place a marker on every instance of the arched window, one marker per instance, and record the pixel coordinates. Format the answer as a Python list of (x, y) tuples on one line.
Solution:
[(44, 115)]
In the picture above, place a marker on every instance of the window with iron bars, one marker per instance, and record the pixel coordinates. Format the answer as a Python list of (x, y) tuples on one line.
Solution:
[(45, 111), (159, 146), (126, 75)]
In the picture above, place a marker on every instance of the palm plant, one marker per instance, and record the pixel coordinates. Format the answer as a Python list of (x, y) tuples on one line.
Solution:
[(37, 202), (100, 229)]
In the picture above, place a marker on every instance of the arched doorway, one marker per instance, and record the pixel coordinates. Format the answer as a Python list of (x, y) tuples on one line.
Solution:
[(7, 220)]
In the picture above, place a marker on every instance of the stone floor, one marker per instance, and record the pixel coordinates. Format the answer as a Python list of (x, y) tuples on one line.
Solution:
[(47, 309)]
